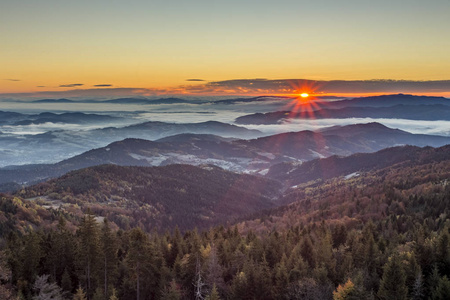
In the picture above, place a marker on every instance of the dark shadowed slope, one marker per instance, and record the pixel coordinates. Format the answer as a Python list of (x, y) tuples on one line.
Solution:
[(335, 166), (162, 197)]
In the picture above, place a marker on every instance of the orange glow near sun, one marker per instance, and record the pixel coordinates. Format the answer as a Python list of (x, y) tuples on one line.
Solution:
[(304, 102)]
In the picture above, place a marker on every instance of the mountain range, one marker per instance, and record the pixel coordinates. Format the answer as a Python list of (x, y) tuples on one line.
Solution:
[(206, 195), (387, 106), (254, 156), (57, 145), (19, 119), (412, 112)]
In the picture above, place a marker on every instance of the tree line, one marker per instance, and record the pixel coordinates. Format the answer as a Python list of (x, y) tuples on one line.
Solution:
[(317, 261)]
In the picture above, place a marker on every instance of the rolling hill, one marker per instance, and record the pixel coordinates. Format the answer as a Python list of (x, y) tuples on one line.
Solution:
[(161, 197)]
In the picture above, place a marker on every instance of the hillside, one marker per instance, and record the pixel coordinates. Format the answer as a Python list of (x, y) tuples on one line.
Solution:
[(160, 197), (408, 181), (334, 166), (342, 140), (349, 235)]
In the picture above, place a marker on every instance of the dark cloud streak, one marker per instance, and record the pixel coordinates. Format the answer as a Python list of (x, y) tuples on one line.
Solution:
[(334, 86), (102, 85), (253, 87), (71, 85)]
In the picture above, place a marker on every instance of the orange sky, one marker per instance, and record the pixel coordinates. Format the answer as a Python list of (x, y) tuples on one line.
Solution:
[(49, 44)]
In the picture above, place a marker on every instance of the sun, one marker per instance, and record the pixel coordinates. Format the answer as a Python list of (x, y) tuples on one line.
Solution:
[(304, 95)]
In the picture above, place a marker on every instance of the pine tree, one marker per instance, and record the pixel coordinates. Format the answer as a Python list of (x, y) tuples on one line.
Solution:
[(214, 295), (393, 282), (80, 295), (98, 295), (343, 292), (239, 287), (417, 292), (108, 256), (88, 251), (61, 253), (136, 258), (433, 280), (325, 253), (281, 278), (113, 295), (5, 276), (172, 292), (199, 284), (45, 290), (442, 291), (176, 247), (214, 276), (66, 281), (307, 251), (443, 252), (30, 257)]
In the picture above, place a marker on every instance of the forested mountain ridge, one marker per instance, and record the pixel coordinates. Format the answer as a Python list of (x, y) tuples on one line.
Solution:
[(334, 166), (418, 186), (160, 197), (345, 238)]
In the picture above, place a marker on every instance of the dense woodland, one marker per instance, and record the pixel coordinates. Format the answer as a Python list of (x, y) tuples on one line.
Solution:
[(159, 197), (382, 234)]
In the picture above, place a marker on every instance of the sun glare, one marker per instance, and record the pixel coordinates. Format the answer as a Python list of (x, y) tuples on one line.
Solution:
[(304, 95)]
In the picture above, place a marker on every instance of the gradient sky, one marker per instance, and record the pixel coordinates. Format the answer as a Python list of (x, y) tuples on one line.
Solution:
[(159, 44)]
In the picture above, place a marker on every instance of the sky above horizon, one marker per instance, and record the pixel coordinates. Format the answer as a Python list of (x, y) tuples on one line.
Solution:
[(171, 47)]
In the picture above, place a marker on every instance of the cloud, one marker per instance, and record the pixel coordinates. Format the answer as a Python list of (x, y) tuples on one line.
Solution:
[(10, 79), (93, 93), (71, 85), (40, 86), (102, 85), (254, 87), (260, 85), (195, 79)]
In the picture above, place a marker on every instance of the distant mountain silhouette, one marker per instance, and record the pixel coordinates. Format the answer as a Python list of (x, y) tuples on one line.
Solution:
[(398, 106), (342, 140), (147, 101), (71, 118), (156, 130), (391, 100), (53, 101), (430, 112)]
